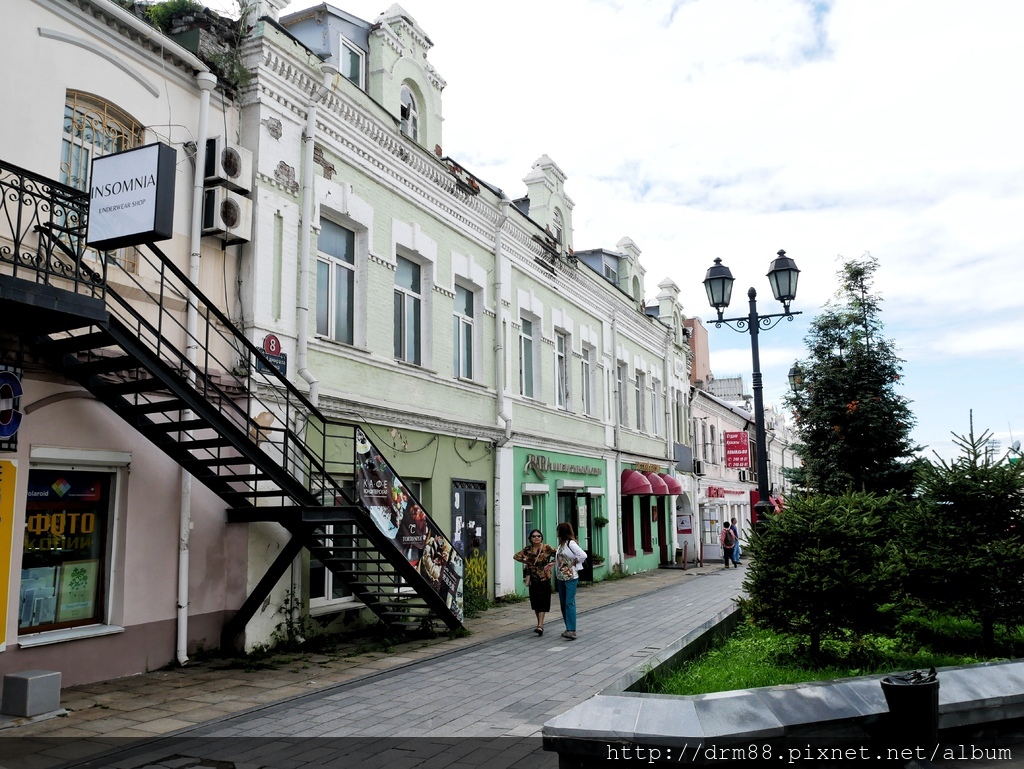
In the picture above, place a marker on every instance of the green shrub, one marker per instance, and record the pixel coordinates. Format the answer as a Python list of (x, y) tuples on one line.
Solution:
[(161, 14), (823, 566)]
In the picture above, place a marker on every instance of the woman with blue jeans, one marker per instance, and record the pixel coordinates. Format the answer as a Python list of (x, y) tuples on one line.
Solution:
[(569, 557)]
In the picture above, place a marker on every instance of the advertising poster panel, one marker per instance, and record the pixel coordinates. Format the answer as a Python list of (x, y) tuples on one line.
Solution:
[(395, 510), (737, 449)]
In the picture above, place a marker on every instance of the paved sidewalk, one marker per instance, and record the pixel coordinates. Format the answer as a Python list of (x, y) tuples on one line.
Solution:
[(371, 693)]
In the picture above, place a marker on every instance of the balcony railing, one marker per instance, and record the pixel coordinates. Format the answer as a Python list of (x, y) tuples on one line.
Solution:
[(43, 231)]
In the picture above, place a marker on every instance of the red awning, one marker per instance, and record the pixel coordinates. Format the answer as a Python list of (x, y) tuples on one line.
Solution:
[(634, 483), (674, 486), (658, 486)]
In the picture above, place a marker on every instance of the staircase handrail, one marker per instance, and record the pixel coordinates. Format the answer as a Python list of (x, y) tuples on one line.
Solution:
[(295, 403)]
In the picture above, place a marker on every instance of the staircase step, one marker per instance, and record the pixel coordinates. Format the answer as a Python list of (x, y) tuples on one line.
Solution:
[(206, 443), (336, 514), (232, 494), (105, 365), (369, 583), (94, 340), (216, 461), (400, 615), (159, 407), (144, 385), (243, 477), (170, 427)]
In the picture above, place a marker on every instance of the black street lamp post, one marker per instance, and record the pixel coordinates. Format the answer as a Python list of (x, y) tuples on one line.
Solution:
[(782, 275)]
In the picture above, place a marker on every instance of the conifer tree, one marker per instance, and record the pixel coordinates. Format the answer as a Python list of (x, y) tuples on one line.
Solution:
[(963, 543), (853, 425)]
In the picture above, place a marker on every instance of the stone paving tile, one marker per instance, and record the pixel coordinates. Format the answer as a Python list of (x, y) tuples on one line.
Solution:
[(163, 725), (207, 693)]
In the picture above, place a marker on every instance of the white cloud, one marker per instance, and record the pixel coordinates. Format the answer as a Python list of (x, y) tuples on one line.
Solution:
[(733, 128)]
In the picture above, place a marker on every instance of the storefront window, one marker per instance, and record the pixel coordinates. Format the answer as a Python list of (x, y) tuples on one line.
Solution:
[(533, 516), (628, 527), (65, 550), (646, 540)]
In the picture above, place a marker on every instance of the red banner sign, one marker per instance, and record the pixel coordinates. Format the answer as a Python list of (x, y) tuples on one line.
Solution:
[(737, 449)]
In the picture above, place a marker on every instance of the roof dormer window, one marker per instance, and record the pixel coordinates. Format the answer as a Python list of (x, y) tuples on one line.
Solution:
[(410, 115), (556, 221), (611, 269), (351, 64)]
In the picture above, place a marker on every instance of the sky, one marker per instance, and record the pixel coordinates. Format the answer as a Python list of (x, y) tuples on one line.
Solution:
[(735, 128)]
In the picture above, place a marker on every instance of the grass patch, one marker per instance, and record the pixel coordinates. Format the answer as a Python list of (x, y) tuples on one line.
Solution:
[(753, 657)]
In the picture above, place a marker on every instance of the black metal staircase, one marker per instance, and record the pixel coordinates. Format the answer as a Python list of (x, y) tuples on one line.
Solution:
[(213, 402)]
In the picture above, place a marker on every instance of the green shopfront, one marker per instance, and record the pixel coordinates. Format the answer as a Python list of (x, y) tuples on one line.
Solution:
[(553, 487)]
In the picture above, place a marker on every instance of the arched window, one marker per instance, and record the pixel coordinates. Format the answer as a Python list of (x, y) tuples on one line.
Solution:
[(93, 127), (556, 220), (410, 114)]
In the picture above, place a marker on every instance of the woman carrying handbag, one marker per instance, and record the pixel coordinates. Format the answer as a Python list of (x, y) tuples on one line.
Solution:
[(569, 557)]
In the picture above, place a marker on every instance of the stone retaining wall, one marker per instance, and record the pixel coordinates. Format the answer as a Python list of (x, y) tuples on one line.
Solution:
[(977, 703)]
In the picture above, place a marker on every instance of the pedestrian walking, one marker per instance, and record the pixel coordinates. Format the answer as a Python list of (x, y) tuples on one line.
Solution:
[(569, 557), (536, 557), (728, 542), (737, 551)]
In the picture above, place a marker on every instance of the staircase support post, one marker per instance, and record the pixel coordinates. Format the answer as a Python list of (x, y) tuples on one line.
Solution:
[(259, 594)]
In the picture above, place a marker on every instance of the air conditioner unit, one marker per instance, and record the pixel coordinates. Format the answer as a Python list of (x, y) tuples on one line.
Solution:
[(228, 215), (698, 467), (228, 166)]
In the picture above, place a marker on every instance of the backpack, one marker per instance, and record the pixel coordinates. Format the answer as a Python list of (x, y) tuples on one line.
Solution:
[(729, 540)]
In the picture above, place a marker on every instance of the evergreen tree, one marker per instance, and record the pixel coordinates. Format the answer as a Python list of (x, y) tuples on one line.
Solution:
[(854, 428), (963, 542), (823, 566)]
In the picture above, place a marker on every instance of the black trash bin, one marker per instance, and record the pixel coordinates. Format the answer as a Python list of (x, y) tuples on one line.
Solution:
[(913, 702)]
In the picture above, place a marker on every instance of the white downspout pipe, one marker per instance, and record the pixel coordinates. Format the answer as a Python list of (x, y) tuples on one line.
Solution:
[(306, 234), (670, 514), (207, 82), (504, 419), (616, 409), (328, 72)]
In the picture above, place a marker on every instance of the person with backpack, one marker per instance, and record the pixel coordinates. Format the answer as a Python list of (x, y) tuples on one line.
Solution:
[(728, 542)]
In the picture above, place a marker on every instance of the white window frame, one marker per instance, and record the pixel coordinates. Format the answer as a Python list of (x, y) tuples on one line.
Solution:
[(656, 409), (328, 603), (119, 464), (641, 401), (621, 381), (563, 350), (587, 374), (333, 264), (558, 226), (410, 298), (531, 509), (528, 352), (346, 45), (610, 268), (409, 114), (463, 331)]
